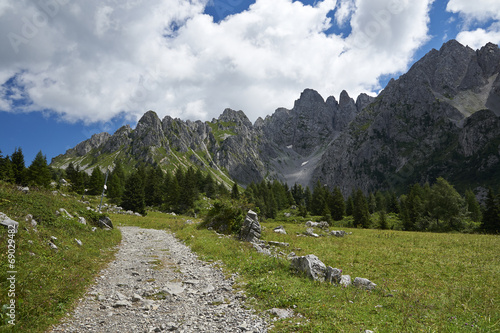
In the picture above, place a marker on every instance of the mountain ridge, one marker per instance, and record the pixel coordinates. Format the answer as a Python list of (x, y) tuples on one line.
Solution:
[(441, 118)]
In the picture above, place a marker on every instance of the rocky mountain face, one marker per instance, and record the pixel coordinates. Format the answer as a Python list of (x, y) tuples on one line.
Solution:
[(442, 118), (439, 119)]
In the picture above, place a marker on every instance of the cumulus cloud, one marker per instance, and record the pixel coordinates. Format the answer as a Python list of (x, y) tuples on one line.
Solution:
[(344, 11), (473, 12), (95, 60)]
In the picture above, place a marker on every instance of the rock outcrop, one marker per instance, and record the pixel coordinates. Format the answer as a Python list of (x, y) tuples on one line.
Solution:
[(311, 266), (251, 230)]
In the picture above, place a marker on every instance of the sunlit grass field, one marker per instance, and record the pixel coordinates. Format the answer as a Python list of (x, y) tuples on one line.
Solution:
[(48, 282), (426, 282)]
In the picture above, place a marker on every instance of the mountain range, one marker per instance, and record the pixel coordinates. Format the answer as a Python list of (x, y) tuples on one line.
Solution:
[(440, 119)]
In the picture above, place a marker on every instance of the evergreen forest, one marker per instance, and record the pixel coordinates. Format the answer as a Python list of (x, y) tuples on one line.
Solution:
[(435, 207)]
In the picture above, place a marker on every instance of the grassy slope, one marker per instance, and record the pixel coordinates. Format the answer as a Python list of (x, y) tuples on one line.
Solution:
[(438, 282), (49, 282)]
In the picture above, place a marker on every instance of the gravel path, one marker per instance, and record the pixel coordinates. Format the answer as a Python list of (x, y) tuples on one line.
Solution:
[(156, 284)]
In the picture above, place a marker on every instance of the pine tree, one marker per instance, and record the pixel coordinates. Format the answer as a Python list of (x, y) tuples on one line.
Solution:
[(473, 207), (308, 198), (153, 187), (18, 167), (6, 173), (380, 202), (337, 204), (319, 199), (76, 178), (96, 182), (38, 172), (189, 190), (78, 185), (491, 216), (349, 205), (172, 193), (209, 186), (393, 204), (116, 183), (361, 213), (235, 192), (133, 196), (382, 220), (298, 194), (372, 203), (412, 209), (70, 172), (200, 180)]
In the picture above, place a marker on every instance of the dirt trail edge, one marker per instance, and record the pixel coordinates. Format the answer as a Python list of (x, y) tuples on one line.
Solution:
[(157, 284)]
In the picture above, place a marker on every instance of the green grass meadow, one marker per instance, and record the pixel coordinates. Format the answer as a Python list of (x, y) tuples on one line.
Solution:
[(48, 282), (426, 282)]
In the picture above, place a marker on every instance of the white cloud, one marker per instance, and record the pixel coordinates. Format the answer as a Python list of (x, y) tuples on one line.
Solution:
[(344, 11), (474, 12), (94, 60), (480, 37), (480, 10)]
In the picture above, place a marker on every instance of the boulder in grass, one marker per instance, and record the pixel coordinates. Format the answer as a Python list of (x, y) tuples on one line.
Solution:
[(8, 222), (333, 275), (105, 223), (311, 266), (280, 230), (364, 283), (338, 233), (345, 280)]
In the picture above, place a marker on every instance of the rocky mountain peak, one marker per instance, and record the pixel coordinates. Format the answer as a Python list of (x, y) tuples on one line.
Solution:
[(148, 134), (489, 59), (363, 101), (345, 100), (95, 141), (149, 119), (308, 97), (238, 117)]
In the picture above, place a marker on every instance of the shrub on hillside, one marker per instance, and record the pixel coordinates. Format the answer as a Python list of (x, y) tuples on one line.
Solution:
[(226, 216)]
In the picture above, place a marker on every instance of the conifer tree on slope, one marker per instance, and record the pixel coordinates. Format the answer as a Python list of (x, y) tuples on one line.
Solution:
[(361, 213), (116, 183), (337, 204), (154, 186), (18, 167), (133, 196), (473, 207), (96, 182), (38, 172), (491, 216), (6, 173)]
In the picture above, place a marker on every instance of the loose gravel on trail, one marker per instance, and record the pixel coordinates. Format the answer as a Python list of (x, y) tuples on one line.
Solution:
[(156, 284)]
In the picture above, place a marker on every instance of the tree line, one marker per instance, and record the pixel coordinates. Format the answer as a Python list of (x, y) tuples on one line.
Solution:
[(436, 207), (14, 170), (146, 186), (150, 186)]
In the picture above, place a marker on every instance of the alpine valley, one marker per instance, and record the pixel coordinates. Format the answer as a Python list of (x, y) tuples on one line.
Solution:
[(440, 119)]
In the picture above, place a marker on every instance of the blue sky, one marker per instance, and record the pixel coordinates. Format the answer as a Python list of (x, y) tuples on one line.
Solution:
[(72, 69)]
